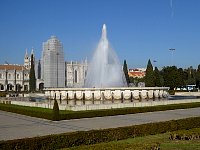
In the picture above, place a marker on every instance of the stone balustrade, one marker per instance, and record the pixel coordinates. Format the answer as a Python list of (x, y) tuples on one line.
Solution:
[(88, 96)]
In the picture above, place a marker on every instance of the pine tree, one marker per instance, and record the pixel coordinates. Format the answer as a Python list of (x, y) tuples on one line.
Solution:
[(55, 111), (125, 69), (32, 80), (157, 79), (149, 78)]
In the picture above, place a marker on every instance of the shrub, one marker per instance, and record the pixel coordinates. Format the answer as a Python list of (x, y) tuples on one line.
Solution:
[(55, 111), (171, 92), (3, 94), (192, 134)]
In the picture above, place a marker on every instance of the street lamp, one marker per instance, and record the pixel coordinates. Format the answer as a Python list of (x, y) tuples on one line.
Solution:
[(172, 50), (57, 67), (154, 61)]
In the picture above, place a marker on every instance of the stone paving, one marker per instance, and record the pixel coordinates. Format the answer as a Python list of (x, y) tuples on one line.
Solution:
[(15, 126)]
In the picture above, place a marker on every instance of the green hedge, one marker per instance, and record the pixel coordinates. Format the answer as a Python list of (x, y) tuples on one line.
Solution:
[(29, 111), (192, 134), (3, 94), (66, 115), (123, 111), (98, 136)]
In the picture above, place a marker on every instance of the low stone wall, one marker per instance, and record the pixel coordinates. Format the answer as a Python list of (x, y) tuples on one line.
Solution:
[(88, 96), (99, 106), (134, 104)]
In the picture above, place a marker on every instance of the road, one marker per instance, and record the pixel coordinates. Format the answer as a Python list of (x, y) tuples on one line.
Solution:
[(15, 126)]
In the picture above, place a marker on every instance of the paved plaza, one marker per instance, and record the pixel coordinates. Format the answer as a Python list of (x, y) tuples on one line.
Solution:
[(15, 126)]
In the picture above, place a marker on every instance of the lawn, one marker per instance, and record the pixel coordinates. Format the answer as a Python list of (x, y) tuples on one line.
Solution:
[(140, 143)]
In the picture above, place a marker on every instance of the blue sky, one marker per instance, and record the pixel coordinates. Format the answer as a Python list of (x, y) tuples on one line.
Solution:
[(138, 30)]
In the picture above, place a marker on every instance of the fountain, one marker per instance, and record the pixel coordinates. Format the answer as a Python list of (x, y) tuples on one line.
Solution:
[(105, 69), (105, 85)]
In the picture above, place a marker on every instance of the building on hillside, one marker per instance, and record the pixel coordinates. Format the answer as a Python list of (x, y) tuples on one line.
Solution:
[(137, 73), (52, 63)]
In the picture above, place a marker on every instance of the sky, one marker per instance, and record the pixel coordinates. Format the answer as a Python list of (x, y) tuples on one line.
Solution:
[(138, 30)]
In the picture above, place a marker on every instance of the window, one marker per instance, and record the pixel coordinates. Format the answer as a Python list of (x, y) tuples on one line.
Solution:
[(1, 87), (18, 76), (9, 76), (1, 76), (25, 87), (75, 76)]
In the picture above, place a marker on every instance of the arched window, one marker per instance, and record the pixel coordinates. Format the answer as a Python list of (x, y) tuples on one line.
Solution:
[(9, 87), (41, 86), (75, 76), (1, 76), (18, 87), (1, 87), (18, 76), (25, 87)]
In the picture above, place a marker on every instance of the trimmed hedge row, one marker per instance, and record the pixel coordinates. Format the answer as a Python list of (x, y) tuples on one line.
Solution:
[(64, 115), (124, 111), (28, 111), (98, 136), (185, 135)]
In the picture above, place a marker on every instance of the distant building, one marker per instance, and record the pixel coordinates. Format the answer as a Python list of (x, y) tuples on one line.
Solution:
[(76, 73), (50, 71), (53, 63), (14, 78), (55, 71), (137, 73)]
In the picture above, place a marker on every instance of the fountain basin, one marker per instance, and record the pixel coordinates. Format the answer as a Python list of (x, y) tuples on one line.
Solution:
[(90, 96)]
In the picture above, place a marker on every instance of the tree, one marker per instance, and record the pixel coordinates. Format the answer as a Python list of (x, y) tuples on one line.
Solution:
[(149, 78), (125, 69), (157, 77), (32, 80), (172, 77), (182, 76), (198, 77), (56, 111), (191, 75)]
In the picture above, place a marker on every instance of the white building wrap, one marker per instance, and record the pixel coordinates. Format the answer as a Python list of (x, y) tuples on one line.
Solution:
[(53, 63)]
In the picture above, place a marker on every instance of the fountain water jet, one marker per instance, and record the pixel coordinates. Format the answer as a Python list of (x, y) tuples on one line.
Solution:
[(105, 69)]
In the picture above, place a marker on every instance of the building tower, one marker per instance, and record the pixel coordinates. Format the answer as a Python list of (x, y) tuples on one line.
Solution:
[(26, 60), (52, 63)]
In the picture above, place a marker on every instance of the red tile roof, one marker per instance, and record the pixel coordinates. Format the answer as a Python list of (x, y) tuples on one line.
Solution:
[(136, 74), (12, 67)]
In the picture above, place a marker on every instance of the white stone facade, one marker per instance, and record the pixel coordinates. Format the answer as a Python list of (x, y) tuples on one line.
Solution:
[(76, 73), (14, 78)]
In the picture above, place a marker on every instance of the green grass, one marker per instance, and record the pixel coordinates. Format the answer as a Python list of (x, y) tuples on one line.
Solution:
[(66, 115), (141, 143)]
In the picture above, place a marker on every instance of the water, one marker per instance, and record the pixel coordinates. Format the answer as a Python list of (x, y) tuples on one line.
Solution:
[(174, 97), (105, 69)]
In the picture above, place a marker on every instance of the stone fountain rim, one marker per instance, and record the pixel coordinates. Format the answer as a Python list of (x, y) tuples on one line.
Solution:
[(111, 88)]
